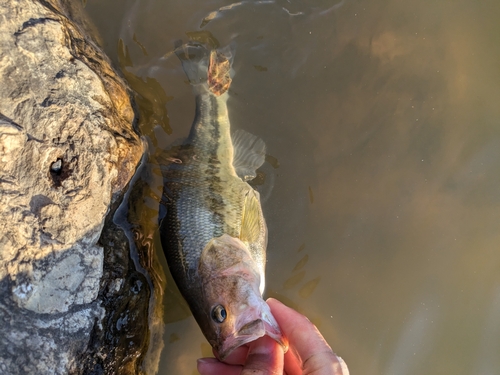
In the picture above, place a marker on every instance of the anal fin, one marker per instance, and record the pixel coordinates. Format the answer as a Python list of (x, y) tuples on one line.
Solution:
[(251, 221)]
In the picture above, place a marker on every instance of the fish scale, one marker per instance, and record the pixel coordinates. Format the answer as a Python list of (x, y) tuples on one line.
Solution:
[(214, 234), (199, 212)]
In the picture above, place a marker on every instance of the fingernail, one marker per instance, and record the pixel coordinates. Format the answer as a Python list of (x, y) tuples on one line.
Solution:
[(207, 360), (343, 365)]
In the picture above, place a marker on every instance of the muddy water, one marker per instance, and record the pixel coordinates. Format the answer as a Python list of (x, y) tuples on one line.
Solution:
[(382, 189)]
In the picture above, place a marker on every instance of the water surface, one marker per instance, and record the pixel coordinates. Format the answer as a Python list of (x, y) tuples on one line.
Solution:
[(383, 186)]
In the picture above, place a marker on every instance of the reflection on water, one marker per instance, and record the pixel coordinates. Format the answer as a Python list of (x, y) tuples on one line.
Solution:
[(385, 120)]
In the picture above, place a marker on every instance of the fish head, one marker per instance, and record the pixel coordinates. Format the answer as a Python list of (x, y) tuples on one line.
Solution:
[(234, 312)]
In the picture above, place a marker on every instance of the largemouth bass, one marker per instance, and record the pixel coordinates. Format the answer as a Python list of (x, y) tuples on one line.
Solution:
[(213, 233)]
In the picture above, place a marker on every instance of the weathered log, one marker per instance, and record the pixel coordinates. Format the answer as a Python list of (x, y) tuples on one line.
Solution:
[(68, 149)]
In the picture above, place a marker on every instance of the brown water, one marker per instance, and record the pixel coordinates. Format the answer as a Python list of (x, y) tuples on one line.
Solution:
[(384, 212)]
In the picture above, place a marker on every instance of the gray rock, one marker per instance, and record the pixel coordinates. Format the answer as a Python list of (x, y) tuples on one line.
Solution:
[(67, 151)]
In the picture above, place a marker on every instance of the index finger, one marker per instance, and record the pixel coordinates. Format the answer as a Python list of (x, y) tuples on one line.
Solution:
[(312, 352)]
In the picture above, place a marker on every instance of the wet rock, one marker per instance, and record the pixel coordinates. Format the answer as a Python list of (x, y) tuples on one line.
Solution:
[(117, 345), (67, 151)]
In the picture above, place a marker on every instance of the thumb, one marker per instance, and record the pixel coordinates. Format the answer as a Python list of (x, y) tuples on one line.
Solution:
[(265, 357)]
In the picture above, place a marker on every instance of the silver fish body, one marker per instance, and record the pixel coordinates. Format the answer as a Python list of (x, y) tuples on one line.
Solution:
[(213, 234)]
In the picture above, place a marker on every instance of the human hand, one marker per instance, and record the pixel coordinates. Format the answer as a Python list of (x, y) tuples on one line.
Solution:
[(308, 353)]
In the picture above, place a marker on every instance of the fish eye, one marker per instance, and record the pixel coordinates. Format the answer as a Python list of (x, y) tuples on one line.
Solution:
[(219, 313)]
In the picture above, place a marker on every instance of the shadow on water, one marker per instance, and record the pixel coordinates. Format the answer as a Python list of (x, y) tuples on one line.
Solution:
[(383, 214)]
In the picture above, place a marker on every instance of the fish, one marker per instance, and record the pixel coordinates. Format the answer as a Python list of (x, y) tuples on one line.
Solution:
[(213, 232)]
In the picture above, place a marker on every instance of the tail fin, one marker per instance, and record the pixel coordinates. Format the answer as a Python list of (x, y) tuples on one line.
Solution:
[(212, 67), (195, 60)]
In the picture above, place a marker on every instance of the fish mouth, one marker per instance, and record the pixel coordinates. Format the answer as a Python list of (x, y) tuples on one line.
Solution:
[(273, 331), (266, 325)]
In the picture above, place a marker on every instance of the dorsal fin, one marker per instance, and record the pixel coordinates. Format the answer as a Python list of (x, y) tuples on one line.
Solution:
[(249, 154), (251, 219)]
